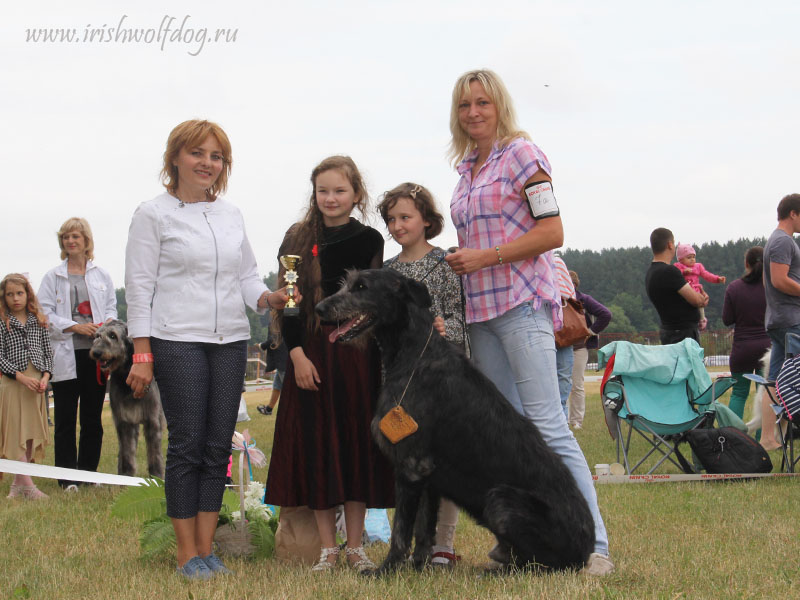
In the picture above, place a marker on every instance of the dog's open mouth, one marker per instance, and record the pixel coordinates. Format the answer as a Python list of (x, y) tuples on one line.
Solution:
[(351, 329), (105, 364)]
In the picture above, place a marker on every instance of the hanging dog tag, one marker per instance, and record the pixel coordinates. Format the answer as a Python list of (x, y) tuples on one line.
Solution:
[(397, 424)]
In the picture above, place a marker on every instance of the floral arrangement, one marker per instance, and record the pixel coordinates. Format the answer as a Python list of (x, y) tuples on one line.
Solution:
[(254, 507), (259, 519)]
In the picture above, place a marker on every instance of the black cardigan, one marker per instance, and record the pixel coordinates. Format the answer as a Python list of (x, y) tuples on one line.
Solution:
[(350, 246)]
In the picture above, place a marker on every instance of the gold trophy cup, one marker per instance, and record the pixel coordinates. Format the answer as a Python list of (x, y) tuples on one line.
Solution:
[(289, 261)]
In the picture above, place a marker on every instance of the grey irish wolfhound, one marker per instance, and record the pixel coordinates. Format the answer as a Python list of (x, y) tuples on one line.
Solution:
[(113, 351), (471, 446)]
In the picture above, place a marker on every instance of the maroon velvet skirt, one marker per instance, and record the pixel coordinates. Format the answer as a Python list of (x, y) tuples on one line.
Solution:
[(323, 453)]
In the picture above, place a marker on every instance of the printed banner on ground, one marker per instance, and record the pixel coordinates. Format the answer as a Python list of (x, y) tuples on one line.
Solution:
[(659, 478)]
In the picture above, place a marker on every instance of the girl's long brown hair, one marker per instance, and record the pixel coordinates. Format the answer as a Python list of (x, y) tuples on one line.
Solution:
[(33, 305), (306, 235)]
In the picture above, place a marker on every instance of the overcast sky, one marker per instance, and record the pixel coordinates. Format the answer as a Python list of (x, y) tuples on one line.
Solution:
[(676, 114)]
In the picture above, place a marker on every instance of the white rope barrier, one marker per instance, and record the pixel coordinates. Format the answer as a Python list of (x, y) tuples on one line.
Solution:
[(16, 467)]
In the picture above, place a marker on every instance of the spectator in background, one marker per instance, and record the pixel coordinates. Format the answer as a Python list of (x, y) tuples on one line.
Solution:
[(672, 296), (692, 271), (277, 357), (597, 319), (782, 280), (564, 356), (782, 290), (77, 297), (26, 362), (744, 308)]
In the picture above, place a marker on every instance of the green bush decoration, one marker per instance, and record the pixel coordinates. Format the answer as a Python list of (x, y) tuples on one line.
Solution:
[(141, 502)]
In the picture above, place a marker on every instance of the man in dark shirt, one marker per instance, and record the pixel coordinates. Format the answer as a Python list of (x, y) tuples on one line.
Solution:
[(674, 299)]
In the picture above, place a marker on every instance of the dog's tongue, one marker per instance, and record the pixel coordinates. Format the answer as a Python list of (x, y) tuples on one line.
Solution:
[(341, 330)]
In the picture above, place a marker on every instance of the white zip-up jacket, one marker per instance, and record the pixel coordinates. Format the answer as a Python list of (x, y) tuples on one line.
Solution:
[(189, 271), (55, 300)]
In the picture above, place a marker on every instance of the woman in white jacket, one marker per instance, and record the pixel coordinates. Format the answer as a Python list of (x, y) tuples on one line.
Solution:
[(189, 271), (76, 296)]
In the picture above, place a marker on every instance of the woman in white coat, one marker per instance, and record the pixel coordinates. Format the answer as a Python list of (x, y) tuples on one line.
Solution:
[(189, 271), (77, 296)]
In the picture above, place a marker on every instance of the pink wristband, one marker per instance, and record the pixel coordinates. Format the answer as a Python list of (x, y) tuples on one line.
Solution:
[(143, 358)]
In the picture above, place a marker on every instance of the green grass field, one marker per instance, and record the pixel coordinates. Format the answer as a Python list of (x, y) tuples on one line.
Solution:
[(668, 540)]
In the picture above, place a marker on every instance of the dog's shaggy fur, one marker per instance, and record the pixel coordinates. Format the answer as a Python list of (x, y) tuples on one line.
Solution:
[(471, 446), (754, 424), (113, 351)]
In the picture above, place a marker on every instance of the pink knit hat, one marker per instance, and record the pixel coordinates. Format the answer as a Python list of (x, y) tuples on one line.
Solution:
[(685, 250)]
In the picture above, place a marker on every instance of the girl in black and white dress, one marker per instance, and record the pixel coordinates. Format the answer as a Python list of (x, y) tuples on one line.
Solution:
[(26, 362)]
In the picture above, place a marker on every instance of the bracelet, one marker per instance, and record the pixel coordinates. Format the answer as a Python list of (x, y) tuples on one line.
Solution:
[(143, 358), (499, 258), (266, 299)]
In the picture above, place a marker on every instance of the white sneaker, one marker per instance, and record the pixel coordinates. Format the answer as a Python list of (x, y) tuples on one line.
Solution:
[(598, 565)]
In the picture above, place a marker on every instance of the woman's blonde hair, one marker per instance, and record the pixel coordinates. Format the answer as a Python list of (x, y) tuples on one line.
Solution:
[(507, 129), (192, 133), (32, 306), (81, 226)]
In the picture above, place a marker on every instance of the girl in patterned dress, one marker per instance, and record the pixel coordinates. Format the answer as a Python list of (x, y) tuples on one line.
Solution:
[(412, 219), (26, 361)]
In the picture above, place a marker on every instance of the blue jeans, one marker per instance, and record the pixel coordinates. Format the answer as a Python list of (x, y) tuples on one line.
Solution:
[(565, 358), (517, 352), (778, 337)]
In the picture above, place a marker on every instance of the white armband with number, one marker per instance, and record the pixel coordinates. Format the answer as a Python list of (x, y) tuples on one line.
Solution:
[(541, 199)]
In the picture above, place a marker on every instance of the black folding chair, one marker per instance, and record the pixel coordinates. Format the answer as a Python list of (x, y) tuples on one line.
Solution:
[(788, 427)]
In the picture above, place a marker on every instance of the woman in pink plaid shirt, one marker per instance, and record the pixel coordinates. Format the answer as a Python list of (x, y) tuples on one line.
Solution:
[(508, 223)]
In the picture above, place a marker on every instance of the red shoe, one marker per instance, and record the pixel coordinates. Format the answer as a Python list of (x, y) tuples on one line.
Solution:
[(444, 559)]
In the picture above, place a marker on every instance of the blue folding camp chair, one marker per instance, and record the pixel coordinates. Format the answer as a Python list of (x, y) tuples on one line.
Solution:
[(658, 391), (787, 425)]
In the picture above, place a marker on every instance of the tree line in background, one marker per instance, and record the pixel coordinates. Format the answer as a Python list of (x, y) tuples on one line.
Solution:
[(615, 277), (612, 276)]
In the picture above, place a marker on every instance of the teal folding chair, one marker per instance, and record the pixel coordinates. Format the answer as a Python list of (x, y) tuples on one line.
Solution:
[(660, 392)]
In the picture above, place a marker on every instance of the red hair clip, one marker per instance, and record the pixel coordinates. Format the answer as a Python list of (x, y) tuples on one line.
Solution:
[(315, 250)]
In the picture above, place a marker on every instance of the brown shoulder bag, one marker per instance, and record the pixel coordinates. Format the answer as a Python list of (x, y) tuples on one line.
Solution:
[(574, 327)]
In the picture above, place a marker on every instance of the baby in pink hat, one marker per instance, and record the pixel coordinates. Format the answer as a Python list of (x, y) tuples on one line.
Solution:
[(692, 271)]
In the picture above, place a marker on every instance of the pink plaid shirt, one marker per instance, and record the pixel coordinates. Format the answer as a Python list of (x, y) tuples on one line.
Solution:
[(490, 212)]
